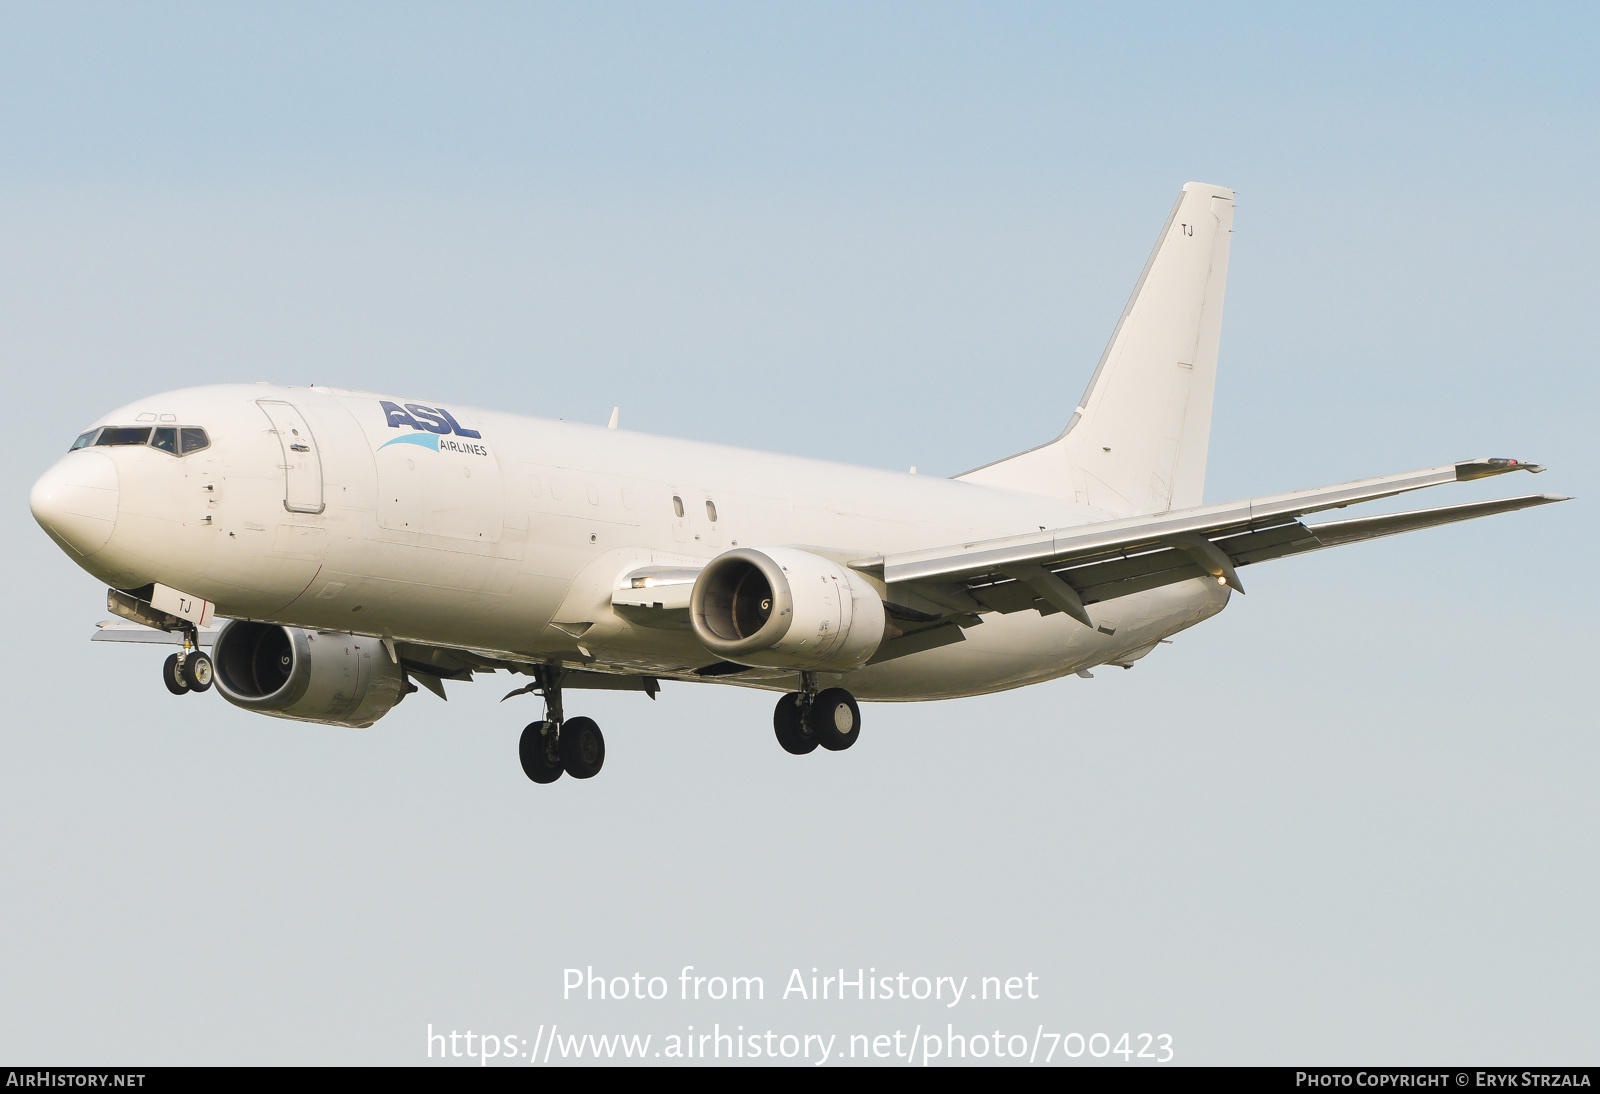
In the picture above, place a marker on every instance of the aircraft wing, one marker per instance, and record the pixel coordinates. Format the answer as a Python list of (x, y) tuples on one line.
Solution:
[(1068, 568)]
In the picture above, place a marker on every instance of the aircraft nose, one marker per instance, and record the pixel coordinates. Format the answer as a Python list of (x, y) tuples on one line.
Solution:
[(76, 501)]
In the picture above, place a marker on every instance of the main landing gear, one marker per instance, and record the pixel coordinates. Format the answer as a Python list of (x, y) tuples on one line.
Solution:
[(807, 718), (558, 745), (190, 670)]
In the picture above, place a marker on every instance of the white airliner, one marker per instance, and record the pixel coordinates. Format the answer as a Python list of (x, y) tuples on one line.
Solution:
[(360, 544)]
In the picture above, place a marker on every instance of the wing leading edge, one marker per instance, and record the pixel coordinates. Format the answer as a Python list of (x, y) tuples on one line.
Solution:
[(1066, 569)]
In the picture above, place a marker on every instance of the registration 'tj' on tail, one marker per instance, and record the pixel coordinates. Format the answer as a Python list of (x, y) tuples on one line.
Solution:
[(1136, 443), (358, 547)]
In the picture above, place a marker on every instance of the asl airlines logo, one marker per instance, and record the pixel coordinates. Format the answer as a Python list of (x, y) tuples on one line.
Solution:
[(433, 425)]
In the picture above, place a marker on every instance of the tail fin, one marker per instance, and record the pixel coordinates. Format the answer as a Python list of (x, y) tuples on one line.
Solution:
[(1137, 441)]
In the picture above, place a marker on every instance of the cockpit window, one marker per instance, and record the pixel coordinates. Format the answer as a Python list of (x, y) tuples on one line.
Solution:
[(123, 434), (179, 441)]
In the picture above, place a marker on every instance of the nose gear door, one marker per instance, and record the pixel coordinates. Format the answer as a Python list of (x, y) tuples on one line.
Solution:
[(302, 463)]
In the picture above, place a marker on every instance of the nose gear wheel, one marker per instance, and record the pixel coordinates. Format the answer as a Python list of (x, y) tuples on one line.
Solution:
[(172, 676)]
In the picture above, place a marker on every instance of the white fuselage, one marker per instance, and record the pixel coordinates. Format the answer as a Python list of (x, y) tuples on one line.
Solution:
[(511, 542)]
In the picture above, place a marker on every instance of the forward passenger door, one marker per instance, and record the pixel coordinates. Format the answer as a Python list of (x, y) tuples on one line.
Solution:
[(302, 463)]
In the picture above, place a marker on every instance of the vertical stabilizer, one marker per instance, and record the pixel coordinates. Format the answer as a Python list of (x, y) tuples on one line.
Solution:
[(1137, 441)]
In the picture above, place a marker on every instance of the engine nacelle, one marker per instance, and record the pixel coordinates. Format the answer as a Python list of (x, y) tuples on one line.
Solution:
[(779, 607), (310, 676)]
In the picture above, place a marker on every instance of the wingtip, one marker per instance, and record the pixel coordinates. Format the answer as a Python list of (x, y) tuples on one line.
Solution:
[(1468, 470)]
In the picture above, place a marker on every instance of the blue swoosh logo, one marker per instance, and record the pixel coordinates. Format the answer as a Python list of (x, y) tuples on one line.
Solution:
[(426, 440)]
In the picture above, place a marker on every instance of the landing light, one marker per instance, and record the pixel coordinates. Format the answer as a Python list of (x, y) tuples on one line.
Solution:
[(1221, 579)]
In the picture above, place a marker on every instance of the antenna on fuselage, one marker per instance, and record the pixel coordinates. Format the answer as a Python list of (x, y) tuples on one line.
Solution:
[(612, 424)]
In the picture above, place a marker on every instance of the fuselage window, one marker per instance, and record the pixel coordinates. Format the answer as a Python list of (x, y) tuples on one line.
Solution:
[(84, 440), (166, 439), (711, 510), (123, 434), (677, 505), (194, 440)]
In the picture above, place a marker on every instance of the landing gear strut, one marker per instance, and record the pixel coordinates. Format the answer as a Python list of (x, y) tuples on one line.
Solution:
[(559, 744), (190, 670), (807, 718)]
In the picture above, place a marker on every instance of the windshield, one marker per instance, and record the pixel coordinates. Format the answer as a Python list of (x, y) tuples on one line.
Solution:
[(123, 434), (174, 440)]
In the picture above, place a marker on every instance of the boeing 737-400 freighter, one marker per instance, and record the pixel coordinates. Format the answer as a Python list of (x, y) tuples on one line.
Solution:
[(360, 545)]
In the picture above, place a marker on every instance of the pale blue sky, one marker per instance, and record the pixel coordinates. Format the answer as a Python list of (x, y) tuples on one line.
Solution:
[(1351, 820)]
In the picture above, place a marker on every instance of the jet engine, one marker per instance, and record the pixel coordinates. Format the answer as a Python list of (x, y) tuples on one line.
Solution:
[(779, 607), (310, 676)]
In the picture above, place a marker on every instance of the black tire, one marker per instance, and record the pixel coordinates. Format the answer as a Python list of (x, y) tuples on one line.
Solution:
[(532, 750), (791, 729), (583, 748), (835, 719), (198, 671), (172, 676)]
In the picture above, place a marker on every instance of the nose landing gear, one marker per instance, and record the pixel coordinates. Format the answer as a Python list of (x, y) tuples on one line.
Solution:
[(807, 718), (557, 745), (190, 670)]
